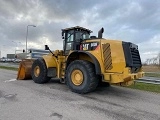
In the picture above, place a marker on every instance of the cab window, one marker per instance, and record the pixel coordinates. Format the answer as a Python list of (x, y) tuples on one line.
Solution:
[(82, 35), (70, 36), (85, 35)]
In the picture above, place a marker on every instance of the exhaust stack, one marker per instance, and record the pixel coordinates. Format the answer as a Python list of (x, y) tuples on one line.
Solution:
[(100, 32)]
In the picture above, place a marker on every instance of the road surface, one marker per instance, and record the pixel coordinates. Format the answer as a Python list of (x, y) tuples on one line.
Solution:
[(25, 100)]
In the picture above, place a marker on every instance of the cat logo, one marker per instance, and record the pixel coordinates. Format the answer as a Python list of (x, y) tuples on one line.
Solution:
[(85, 46)]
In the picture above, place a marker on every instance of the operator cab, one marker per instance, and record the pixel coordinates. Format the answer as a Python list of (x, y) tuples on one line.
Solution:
[(73, 37)]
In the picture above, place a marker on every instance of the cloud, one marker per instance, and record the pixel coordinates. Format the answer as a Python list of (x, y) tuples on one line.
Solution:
[(150, 48), (136, 21)]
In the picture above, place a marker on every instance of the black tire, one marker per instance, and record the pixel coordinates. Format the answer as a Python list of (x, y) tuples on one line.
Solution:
[(90, 80), (42, 76), (101, 83)]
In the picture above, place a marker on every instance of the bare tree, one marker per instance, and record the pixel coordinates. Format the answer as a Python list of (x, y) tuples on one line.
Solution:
[(154, 60)]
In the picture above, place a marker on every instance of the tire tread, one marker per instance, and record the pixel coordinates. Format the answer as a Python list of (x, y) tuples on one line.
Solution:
[(92, 75), (42, 78)]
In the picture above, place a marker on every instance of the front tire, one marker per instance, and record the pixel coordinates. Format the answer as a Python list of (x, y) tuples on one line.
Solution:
[(81, 77), (39, 72)]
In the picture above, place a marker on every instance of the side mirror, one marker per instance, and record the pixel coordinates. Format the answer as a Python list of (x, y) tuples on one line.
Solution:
[(46, 47)]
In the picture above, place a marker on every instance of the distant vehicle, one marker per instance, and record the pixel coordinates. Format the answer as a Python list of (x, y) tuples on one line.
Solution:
[(6, 59), (3, 59), (9, 60), (17, 60), (36, 53)]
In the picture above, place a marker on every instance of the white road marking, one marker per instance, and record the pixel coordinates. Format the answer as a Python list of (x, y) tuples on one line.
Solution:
[(11, 80)]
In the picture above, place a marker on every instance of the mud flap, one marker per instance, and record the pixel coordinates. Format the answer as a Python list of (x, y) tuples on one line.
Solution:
[(24, 70)]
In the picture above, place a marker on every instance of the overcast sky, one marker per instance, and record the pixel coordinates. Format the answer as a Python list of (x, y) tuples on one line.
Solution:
[(136, 21)]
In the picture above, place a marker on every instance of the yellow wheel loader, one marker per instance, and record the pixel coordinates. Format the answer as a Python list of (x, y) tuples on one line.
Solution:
[(87, 61)]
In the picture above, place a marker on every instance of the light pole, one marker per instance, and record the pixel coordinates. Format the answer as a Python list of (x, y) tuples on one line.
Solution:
[(27, 35)]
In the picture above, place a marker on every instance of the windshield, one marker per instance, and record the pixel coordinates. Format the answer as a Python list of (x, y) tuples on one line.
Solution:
[(82, 35)]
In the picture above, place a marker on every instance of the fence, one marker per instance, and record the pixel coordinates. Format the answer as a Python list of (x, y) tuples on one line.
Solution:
[(149, 80)]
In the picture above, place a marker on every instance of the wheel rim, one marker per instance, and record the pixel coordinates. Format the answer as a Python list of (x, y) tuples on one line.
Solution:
[(37, 71), (77, 77)]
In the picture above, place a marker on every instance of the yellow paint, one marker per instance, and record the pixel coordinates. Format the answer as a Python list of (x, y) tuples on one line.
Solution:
[(54, 61), (50, 60), (77, 77), (37, 71), (24, 70), (117, 74), (117, 54)]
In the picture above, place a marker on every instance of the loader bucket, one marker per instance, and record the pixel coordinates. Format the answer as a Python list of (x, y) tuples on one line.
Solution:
[(24, 70)]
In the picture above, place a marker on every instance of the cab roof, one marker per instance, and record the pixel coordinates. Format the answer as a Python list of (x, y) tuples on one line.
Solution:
[(77, 27)]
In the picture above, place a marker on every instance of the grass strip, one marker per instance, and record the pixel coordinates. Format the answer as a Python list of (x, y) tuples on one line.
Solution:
[(146, 87), (8, 68)]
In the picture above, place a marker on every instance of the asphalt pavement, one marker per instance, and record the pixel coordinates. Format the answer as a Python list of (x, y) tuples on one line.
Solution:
[(26, 100)]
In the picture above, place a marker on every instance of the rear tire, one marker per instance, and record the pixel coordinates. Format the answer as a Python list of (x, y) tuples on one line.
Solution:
[(39, 72), (103, 84), (81, 77)]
